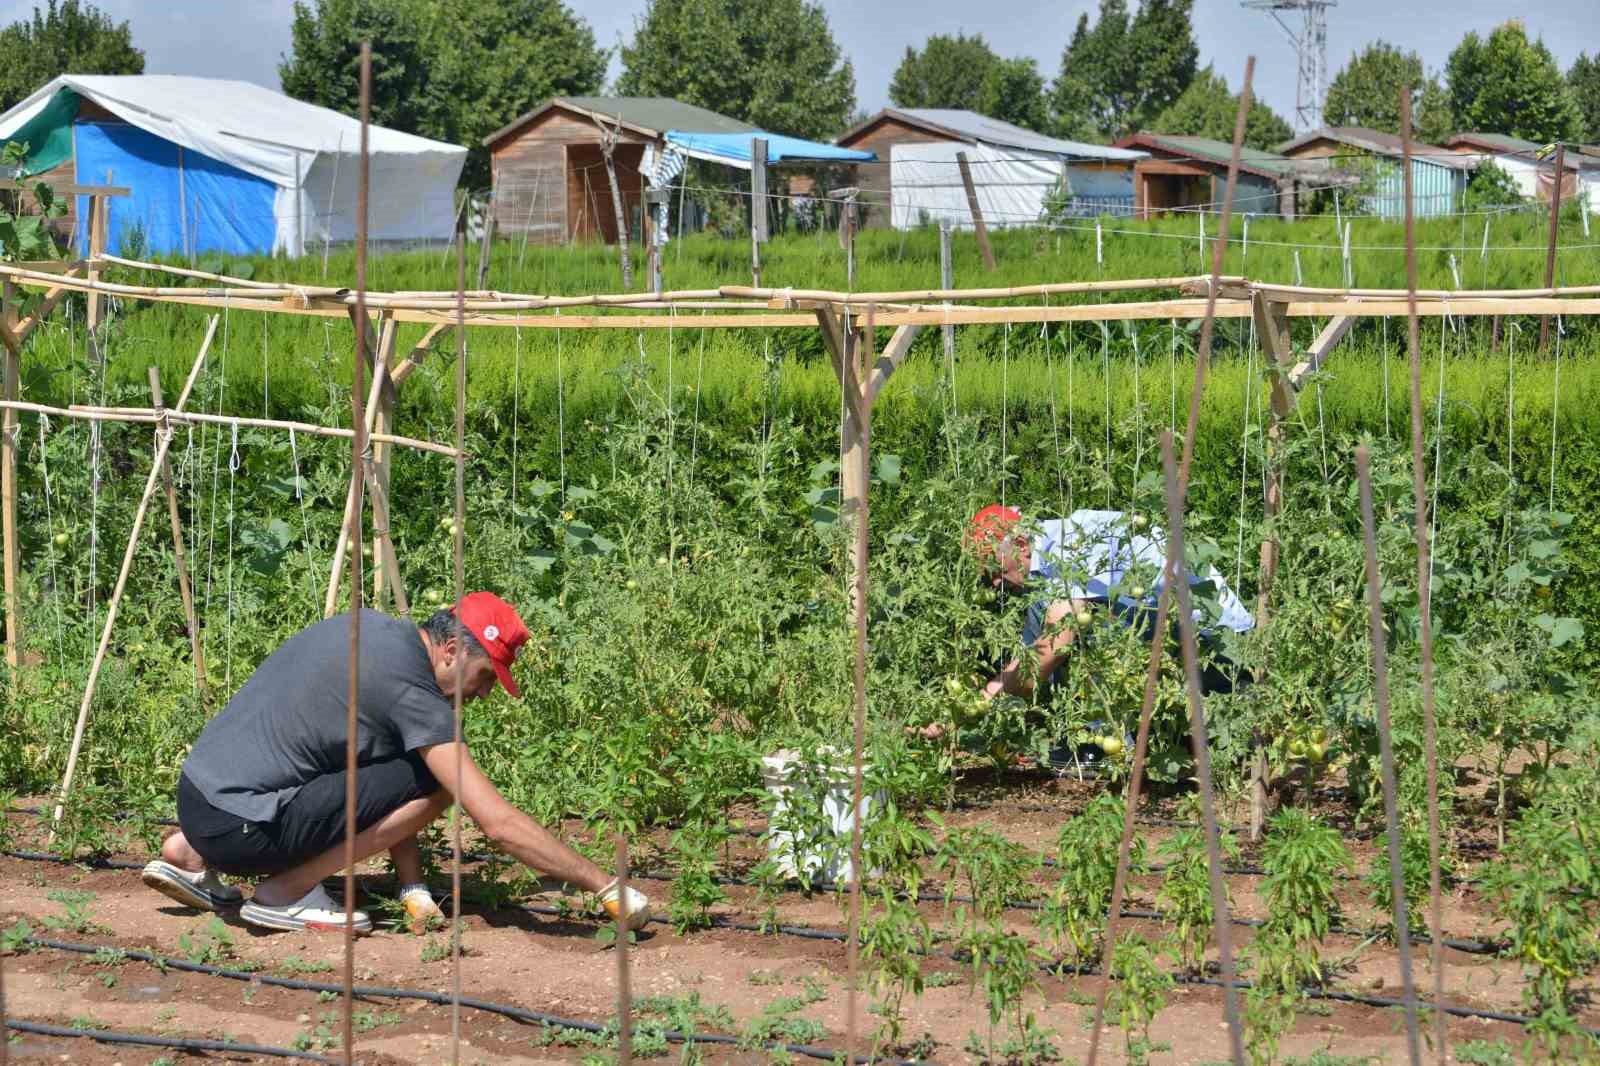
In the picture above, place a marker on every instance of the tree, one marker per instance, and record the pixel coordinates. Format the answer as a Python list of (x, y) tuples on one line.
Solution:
[(1509, 84), (774, 64), (69, 38), (452, 70), (948, 72), (1122, 72), (1013, 92), (1584, 82), (1366, 92), (1208, 109)]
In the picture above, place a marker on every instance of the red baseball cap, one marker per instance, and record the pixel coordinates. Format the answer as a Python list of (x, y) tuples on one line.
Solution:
[(991, 523), (498, 628)]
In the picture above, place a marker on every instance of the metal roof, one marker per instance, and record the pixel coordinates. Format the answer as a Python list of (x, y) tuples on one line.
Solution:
[(1378, 142), (649, 116), (1502, 143), (970, 126), (1207, 150)]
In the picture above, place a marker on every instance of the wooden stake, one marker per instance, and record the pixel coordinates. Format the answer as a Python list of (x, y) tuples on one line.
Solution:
[(758, 205), (1380, 671), (1272, 326), (360, 359), (608, 145), (1555, 232), (196, 649), (97, 246), (122, 582), (1419, 493), (486, 244), (9, 428), (624, 985), (862, 456), (977, 214), (1173, 574)]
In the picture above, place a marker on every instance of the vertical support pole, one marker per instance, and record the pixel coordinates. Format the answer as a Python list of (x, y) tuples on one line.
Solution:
[(486, 244), (758, 205), (1555, 230), (624, 984), (98, 206), (358, 445), (947, 280), (847, 240), (608, 144), (1272, 326), (977, 214), (196, 648), (1419, 492), (9, 428)]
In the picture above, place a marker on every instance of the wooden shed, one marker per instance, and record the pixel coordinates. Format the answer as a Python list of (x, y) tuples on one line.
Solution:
[(1438, 176), (549, 169), (915, 179), (1187, 172)]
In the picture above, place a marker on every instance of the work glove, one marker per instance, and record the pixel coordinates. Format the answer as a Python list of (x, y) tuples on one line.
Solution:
[(638, 905)]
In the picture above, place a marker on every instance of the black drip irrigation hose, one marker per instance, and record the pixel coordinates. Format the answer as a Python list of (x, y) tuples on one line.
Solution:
[(102, 1036), (1462, 944), (438, 998)]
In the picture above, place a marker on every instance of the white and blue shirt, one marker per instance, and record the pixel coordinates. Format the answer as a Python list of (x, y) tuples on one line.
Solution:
[(1095, 556)]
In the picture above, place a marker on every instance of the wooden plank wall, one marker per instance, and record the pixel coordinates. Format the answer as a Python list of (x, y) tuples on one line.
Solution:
[(873, 178), (569, 142)]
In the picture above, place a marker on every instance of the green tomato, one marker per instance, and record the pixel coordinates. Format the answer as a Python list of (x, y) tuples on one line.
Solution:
[(1319, 735), (1297, 749), (983, 597), (632, 584), (1316, 752), (453, 529), (1138, 521), (1111, 745), (1084, 617), (61, 540), (954, 686), (662, 560), (1138, 592), (446, 521)]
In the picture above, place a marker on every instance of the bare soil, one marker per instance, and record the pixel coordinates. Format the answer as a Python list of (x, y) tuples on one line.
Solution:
[(553, 964)]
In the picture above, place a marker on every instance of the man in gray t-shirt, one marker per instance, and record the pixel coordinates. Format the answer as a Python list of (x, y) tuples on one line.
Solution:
[(263, 792)]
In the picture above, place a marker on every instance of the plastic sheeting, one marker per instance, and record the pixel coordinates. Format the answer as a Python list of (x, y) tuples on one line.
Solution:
[(734, 149), (48, 134), (1012, 185), (308, 154), (209, 207)]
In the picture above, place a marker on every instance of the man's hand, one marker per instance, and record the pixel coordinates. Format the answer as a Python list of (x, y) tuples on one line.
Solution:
[(638, 905)]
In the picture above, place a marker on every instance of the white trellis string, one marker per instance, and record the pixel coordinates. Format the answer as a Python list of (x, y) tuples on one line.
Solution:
[(1383, 357), (1511, 397), (266, 393), (1244, 460), (1138, 409), (94, 531), (516, 399), (305, 524), (1172, 366), (561, 418), (699, 383), (1005, 396), (216, 461), (233, 468), (49, 539), (1105, 371), (1055, 420), (1067, 343), (1555, 401), (1438, 451)]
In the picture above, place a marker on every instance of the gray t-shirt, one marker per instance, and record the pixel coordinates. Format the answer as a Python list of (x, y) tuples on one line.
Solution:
[(286, 726)]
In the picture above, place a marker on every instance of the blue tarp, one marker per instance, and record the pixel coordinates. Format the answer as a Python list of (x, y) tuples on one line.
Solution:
[(211, 207), (734, 148)]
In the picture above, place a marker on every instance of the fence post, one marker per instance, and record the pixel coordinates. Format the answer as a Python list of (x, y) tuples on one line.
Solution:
[(1555, 227), (977, 214), (947, 280), (758, 205)]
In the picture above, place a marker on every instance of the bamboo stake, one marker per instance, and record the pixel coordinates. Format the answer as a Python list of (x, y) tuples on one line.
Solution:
[(624, 984), (164, 443), (1419, 493), (863, 479), (459, 550), (1174, 573), (360, 358), (196, 649), (10, 378), (144, 414), (330, 602), (1380, 671), (1555, 234)]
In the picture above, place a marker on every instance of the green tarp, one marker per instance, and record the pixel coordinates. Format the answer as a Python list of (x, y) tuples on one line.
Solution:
[(48, 134)]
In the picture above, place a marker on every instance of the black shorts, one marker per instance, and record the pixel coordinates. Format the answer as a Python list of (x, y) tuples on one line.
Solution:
[(309, 825)]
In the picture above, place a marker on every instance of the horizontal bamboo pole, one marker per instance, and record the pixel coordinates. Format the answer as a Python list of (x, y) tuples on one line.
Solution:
[(146, 415), (187, 272), (1062, 288)]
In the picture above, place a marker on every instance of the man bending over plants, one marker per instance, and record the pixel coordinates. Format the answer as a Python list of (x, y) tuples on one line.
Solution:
[(1070, 567), (262, 793)]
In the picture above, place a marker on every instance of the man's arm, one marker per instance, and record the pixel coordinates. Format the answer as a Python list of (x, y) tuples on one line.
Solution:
[(1050, 651), (525, 839)]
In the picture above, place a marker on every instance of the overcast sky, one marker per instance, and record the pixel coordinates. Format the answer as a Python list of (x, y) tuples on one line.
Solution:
[(246, 38)]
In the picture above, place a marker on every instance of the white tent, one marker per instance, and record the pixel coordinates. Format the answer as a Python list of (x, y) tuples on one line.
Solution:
[(233, 165)]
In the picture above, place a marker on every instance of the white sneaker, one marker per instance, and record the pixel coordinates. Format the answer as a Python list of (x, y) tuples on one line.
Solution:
[(315, 911), (204, 890)]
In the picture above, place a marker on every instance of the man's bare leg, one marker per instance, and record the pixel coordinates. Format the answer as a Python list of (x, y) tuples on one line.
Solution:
[(176, 850), (407, 858), (400, 825)]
